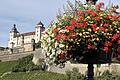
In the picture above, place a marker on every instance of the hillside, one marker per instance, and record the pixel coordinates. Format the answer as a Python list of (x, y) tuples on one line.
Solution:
[(6, 74)]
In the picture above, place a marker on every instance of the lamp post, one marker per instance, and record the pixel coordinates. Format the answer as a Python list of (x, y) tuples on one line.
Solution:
[(90, 73)]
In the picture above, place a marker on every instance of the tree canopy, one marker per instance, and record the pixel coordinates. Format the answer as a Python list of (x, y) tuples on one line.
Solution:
[(84, 34)]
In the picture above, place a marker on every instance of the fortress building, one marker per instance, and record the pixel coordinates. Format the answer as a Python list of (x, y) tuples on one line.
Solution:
[(25, 40)]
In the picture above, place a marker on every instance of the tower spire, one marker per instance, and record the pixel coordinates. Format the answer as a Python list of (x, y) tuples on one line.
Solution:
[(40, 23), (14, 29)]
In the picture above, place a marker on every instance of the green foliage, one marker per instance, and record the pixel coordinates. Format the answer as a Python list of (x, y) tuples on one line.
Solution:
[(75, 75), (26, 64), (38, 45), (6, 66), (34, 75), (107, 75), (43, 75)]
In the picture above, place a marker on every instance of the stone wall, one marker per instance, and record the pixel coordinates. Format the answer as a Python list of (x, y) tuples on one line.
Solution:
[(83, 68), (68, 66), (28, 47), (12, 57), (4, 52)]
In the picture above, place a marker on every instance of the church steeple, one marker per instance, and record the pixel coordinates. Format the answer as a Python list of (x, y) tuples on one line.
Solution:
[(14, 29), (38, 31), (40, 24)]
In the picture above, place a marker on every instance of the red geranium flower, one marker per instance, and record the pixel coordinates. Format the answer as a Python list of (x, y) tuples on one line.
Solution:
[(55, 30), (58, 37), (93, 13), (107, 44), (80, 18), (69, 27), (73, 35), (115, 37), (90, 46), (118, 41), (83, 24), (114, 17), (102, 29), (62, 56), (94, 27), (106, 25), (108, 16), (97, 18), (80, 25), (106, 49), (99, 6), (80, 13), (64, 36), (73, 22)]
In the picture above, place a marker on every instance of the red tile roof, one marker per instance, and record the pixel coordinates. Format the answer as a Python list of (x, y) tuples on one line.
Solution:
[(28, 33)]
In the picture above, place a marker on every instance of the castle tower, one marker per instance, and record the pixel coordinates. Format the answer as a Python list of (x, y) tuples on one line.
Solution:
[(12, 34), (38, 29)]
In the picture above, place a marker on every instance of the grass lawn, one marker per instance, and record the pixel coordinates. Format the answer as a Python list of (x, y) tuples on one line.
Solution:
[(6, 66), (33, 75)]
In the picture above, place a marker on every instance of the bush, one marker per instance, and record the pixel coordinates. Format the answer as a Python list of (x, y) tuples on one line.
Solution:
[(75, 75), (38, 45), (107, 75), (25, 64)]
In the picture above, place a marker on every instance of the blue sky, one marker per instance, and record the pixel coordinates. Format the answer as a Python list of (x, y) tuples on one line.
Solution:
[(27, 13)]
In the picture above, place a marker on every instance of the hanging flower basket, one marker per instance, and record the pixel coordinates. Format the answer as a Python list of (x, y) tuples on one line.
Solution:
[(84, 34)]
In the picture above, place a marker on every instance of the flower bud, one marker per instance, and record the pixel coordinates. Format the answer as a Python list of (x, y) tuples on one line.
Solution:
[(89, 30), (80, 34), (97, 39)]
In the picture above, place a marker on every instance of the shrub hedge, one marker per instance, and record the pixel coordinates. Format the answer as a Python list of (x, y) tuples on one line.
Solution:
[(25, 64)]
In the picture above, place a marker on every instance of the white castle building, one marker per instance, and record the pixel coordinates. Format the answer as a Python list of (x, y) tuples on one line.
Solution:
[(25, 40)]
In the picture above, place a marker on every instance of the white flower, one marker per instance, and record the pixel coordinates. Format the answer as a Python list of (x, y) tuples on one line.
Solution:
[(52, 35), (56, 45), (63, 31), (61, 45)]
